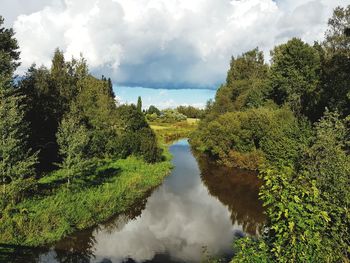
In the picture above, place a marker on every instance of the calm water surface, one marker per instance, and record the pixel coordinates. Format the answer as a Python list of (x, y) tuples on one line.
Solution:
[(200, 206)]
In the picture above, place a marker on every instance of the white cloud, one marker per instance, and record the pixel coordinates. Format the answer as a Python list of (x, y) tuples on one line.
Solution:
[(160, 42)]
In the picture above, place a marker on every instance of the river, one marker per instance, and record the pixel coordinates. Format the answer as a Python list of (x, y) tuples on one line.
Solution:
[(199, 209)]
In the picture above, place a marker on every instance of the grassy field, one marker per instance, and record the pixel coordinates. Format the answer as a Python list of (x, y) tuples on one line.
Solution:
[(60, 210), (169, 132)]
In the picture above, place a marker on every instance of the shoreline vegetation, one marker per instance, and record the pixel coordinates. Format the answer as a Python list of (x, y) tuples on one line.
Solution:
[(71, 156), (112, 189), (290, 121)]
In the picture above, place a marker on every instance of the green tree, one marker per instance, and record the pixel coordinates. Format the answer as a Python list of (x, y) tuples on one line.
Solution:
[(246, 83), (42, 115), (17, 161), (295, 76), (110, 88), (328, 163), (73, 140), (16, 158), (136, 136), (336, 63), (190, 111), (247, 138), (62, 82), (139, 104), (336, 38), (153, 109), (97, 107), (9, 54)]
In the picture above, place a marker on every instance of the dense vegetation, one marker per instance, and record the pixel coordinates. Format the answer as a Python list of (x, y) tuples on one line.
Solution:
[(191, 112), (171, 124), (170, 132), (290, 120), (69, 156), (181, 113)]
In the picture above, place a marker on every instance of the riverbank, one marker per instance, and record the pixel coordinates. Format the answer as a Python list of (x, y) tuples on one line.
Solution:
[(60, 210)]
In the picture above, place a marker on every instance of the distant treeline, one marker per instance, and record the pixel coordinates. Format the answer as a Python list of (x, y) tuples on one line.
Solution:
[(180, 113), (290, 120)]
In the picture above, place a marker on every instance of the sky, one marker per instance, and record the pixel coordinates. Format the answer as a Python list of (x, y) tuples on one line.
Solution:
[(168, 44), (164, 98)]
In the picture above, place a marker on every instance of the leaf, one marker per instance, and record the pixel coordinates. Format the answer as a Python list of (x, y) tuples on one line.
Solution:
[(297, 199), (325, 216), (291, 226)]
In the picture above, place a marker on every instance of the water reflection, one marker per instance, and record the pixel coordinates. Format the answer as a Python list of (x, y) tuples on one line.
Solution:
[(176, 221), (238, 190), (180, 218)]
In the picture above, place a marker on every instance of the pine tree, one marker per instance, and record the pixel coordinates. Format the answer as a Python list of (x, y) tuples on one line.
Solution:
[(9, 54), (110, 88), (139, 104), (16, 159)]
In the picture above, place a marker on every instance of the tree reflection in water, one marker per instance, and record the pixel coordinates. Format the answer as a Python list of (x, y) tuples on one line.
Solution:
[(237, 189)]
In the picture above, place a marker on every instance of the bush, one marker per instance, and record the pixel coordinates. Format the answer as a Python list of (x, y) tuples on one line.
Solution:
[(297, 222), (171, 116), (246, 138)]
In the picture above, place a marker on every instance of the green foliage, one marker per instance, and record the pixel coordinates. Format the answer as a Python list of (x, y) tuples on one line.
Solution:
[(17, 160), (110, 86), (336, 38), (249, 250), (170, 116), (73, 140), (110, 189), (328, 163), (96, 107), (295, 76), (336, 63), (48, 95), (153, 110), (263, 133), (297, 221), (9, 54), (191, 112), (139, 104), (278, 117), (42, 116), (246, 84), (137, 137), (307, 205)]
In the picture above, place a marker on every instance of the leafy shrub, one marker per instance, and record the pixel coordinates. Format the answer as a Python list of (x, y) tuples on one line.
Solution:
[(275, 133), (297, 221)]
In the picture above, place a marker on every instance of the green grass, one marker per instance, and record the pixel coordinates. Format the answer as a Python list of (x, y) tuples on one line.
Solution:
[(169, 132), (53, 214)]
